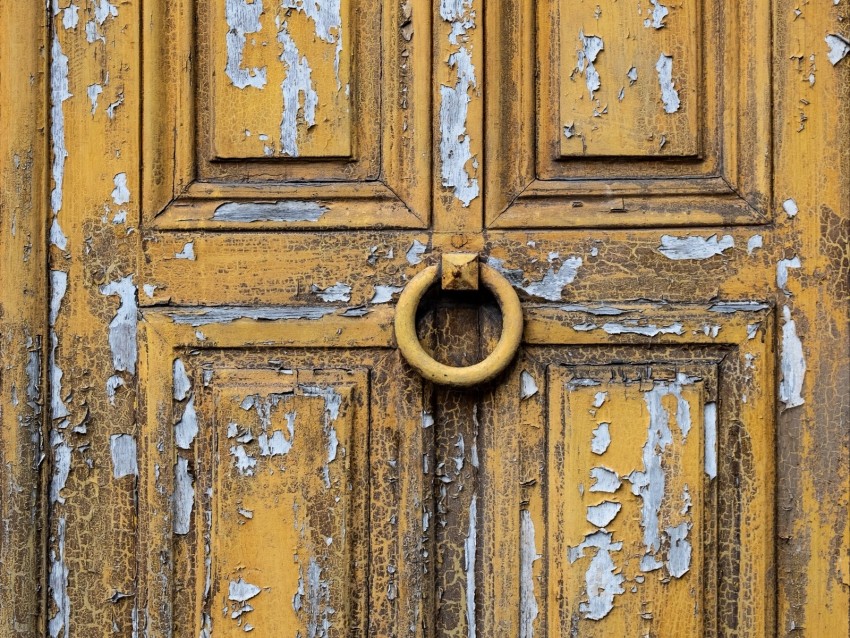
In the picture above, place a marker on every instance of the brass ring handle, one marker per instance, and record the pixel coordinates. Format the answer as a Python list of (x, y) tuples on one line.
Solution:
[(425, 365)]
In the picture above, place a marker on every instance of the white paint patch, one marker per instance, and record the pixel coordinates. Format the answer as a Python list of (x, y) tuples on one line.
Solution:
[(513, 275), (790, 207), (455, 150), (70, 17), (470, 547), (599, 399), (318, 601), (103, 9), (182, 385), (113, 106), (149, 290), (528, 608), (649, 484), (528, 386), (325, 14), (591, 46), (327, 17), (454, 10), (243, 17), (752, 330), (601, 438), (710, 426), (184, 497), (112, 384), (33, 371), (731, 307), (271, 442), (241, 591), (604, 513), (792, 364), (333, 403), (186, 429), (839, 47), (554, 281), (122, 328), (120, 194), (647, 331), (594, 310), (656, 19), (57, 237), (782, 267), (92, 34), (679, 553), (754, 243), (712, 331), (61, 466), (582, 383), (384, 294), (277, 444), (242, 461), (124, 460), (669, 94), (605, 480), (461, 450), (297, 82), (93, 91), (338, 292), (694, 247), (687, 503), (228, 314), (280, 211), (584, 327), (602, 582), (188, 251), (415, 252), (58, 287), (58, 583), (59, 93), (427, 420)]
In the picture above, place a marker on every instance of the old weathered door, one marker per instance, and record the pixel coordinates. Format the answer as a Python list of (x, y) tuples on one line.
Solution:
[(210, 211)]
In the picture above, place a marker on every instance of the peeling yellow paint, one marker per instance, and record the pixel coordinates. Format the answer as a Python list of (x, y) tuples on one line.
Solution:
[(209, 211)]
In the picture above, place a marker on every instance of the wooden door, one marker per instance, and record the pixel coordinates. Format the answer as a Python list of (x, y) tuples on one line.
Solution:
[(209, 211)]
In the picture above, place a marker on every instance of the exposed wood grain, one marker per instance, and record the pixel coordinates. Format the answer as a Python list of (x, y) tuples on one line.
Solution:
[(719, 83), (357, 117)]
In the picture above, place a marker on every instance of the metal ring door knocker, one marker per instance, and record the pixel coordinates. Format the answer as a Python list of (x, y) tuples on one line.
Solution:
[(457, 267)]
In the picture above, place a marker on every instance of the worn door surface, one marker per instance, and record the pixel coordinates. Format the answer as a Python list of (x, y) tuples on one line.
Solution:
[(209, 211)]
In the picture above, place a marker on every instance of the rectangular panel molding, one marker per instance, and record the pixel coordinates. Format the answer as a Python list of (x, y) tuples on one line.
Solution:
[(646, 466), (286, 452), (641, 114), (259, 463), (295, 474), (298, 55), (640, 96), (289, 115), (628, 499)]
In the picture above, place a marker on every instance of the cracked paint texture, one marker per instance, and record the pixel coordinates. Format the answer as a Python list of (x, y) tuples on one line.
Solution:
[(638, 491)]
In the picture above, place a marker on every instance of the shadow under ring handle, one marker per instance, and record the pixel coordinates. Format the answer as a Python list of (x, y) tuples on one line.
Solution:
[(436, 372)]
